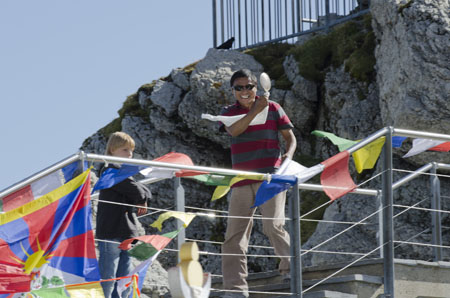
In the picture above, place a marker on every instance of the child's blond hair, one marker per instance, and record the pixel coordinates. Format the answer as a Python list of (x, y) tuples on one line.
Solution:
[(117, 140)]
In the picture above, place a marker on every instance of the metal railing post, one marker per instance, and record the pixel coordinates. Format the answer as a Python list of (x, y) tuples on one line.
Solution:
[(179, 206), (327, 14), (214, 20), (388, 210), (380, 224), (295, 234), (436, 227)]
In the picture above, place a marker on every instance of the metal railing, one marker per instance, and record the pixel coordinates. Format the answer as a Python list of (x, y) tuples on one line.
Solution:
[(385, 212), (254, 23)]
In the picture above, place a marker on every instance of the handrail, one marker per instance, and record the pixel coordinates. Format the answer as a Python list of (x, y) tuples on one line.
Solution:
[(56, 166), (387, 188)]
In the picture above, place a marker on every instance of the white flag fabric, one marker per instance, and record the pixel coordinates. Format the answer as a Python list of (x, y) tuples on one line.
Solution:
[(152, 172), (303, 174), (421, 145), (290, 167), (230, 120)]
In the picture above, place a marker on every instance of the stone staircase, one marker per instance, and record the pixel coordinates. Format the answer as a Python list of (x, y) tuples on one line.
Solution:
[(413, 279)]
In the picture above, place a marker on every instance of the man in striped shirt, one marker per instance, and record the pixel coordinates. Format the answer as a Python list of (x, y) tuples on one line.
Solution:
[(254, 148)]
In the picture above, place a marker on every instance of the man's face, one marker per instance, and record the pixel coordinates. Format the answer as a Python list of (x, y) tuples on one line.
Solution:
[(244, 91)]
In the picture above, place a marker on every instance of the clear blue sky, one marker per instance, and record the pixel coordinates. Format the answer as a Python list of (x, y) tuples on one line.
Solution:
[(67, 66)]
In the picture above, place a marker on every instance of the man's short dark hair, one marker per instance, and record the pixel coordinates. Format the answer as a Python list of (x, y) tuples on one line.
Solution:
[(243, 73)]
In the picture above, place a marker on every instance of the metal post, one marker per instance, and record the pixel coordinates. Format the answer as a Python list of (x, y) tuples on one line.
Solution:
[(327, 14), (214, 7), (222, 21), (262, 19), (380, 223), (436, 215), (239, 21), (246, 24), (388, 210), (179, 206), (296, 259), (300, 16)]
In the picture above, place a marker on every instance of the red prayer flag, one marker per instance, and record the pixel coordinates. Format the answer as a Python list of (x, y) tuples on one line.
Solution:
[(335, 177), (157, 241), (182, 159), (444, 147)]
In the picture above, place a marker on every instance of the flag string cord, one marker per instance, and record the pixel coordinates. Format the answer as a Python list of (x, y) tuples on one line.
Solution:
[(425, 174), (342, 269), (421, 208), (256, 216), (342, 232)]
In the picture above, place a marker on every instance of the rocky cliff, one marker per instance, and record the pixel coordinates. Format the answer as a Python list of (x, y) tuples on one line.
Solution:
[(390, 67)]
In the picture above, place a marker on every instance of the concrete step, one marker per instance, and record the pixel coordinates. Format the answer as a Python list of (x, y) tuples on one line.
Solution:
[(351, 286)]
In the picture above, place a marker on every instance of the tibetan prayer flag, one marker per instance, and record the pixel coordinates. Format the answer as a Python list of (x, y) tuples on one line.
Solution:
[(367, 156), (50, 240), (397, 141), (222, 190), (214, 179), (86, 290), (277, 184), (144, 250), (261, 118), (186, 218), (141, 270), (291, 171), (444, 147), (421, 145), (112, 176), (343, 144), (335, 178)]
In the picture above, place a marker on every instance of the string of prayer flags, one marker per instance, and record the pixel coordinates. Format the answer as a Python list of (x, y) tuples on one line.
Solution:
[(222, 190), (112, 176), (335, 178), (147, 251), (287, 175), (214, 179), (144, 250), (367, 156), (364, 158), (186, 218)]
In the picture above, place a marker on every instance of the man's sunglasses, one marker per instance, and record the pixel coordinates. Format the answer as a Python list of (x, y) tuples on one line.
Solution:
[(246, 87)]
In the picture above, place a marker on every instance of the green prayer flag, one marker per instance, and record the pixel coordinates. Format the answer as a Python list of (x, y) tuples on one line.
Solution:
[(343, 144)]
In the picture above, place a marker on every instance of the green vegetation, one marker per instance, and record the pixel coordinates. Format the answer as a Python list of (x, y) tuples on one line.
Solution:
[(113, 126), (188, 69), (352, 43), (271, 57), (131, 107)]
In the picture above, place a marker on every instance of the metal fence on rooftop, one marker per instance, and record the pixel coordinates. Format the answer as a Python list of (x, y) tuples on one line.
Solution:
[(257, 22)]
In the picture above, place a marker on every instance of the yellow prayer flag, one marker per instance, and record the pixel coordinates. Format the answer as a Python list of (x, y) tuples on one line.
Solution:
[(184, 217), (221, 190), (87, 290), (367, 156)]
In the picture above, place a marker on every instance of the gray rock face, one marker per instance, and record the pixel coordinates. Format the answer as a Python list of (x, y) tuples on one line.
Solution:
[(167, 96), (413, 68), (411, 91)]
